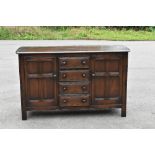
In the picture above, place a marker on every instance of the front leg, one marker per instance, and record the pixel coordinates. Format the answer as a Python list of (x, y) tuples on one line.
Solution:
[(123, 111), (24, 115)]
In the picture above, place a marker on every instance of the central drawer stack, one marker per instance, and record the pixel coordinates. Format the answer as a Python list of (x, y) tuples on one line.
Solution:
[(74, 84)]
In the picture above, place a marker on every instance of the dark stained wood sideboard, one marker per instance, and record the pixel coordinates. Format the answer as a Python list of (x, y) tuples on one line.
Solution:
[(73, 78)]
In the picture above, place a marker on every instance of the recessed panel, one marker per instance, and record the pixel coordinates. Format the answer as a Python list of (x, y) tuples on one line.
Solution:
[(99, 66), (32, 67), (33, 88), (99, 87), (112, 66), (48, 67), (114, 87)]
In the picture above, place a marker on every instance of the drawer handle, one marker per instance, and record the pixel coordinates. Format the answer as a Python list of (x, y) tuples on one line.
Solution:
[(83, 75), (93, 74), (83, 62), (65, 101), (64, 62), (83, 100), (64, 88), (84, 88), (64, 75)]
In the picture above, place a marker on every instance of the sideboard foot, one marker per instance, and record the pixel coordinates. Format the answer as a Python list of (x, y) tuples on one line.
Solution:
[(24, 115), (123, 113)]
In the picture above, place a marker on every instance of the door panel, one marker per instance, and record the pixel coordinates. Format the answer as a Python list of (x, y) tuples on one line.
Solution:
[(41, 88), (46, 67), (106, 79), (41, 81), (33, 88), (32, 67), (99, 65), (112, 66), (99, 82), (114, 86)]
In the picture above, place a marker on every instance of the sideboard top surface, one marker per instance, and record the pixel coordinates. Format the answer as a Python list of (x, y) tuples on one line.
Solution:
[(72, 49)]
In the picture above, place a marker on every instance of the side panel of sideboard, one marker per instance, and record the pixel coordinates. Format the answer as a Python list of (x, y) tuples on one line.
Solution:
[(124, 84)]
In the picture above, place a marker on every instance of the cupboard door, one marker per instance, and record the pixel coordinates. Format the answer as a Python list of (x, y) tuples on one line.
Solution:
[(40, 74), (106, 79)]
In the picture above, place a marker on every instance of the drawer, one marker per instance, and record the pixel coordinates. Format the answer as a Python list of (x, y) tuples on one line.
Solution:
[(74, 62), (74, 100), (73, 87), (74, 75)]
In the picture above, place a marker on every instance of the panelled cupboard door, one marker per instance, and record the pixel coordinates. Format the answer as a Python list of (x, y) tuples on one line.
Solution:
[(106, 79), (40, 77)]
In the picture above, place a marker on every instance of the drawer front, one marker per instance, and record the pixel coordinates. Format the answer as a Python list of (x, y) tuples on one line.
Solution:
[(73, 62), (73, 87), (78, 100), (73, 75)]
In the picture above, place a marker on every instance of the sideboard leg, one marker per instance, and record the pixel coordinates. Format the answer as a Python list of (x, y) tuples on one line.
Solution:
[(123, 112), (24, 115)]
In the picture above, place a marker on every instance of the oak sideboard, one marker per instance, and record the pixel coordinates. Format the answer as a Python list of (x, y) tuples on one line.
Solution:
[(73, 78)]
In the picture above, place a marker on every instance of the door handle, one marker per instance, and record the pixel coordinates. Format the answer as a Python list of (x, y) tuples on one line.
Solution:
[(54, 75)]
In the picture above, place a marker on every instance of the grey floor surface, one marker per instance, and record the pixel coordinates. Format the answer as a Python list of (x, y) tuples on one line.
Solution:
[(140, 100)]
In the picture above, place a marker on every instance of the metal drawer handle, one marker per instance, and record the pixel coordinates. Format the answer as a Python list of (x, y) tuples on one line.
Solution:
[(83, 75), (84, 87), (64, 88), (64, 75), (54, 75), (65, 101), (83, 62), (83, 100), (64, 62)]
